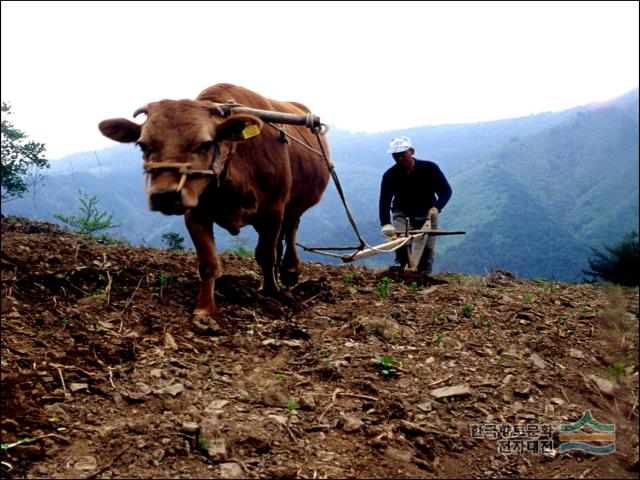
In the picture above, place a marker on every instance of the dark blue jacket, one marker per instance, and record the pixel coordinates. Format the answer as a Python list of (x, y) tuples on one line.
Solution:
[(413, 193)]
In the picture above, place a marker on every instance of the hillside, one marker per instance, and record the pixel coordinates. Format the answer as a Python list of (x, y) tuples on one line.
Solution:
[(534, 193), (101, 371)]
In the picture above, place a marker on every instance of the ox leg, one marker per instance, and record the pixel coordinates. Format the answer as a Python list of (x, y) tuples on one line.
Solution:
[(201, 232), (266, 251), (290, 267)]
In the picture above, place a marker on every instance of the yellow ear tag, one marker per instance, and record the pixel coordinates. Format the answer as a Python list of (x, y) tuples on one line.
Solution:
[(250, 131)]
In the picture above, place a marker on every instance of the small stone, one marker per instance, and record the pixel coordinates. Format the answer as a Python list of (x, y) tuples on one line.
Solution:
[(216, 405), (399, 455), (172, 390), (351, 424), (231, 470), (169, 342), (190, 427), (575, 353), (76, 387), (537, 361), (86, 463), (605, 386), (455, 391)]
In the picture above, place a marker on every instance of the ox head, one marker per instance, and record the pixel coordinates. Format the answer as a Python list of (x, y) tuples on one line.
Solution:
[(185, 145)]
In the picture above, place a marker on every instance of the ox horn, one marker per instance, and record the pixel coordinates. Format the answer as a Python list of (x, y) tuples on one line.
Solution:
[(141, 110)]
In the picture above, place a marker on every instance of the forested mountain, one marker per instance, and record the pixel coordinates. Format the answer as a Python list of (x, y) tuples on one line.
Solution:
[(533, 193)]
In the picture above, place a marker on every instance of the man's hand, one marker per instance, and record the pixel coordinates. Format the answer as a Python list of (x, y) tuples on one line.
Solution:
[(433, 211), (388, 230)]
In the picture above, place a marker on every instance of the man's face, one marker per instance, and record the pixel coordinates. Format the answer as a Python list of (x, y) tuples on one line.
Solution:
[(405, 159)]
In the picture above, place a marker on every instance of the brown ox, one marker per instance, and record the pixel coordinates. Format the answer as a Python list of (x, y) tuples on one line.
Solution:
[(260, 179)]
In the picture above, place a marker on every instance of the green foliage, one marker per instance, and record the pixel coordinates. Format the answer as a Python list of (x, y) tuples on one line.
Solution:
[(619, 263), (466, 310), (291, 407), (164, 281), (386, 364), (383, 287), (20, 159), (240, 248), (173, 240), (414, 287), (90, 219), (617, 369), (348, 278)]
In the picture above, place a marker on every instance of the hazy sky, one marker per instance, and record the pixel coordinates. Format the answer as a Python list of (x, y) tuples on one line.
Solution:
[(361, 66)]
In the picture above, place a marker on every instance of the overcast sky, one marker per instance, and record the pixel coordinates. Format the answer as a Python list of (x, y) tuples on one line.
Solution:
[(361, 66)]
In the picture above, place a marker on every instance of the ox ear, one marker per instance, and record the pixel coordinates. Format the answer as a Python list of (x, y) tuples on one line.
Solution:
[(238, 128), (120, 130)]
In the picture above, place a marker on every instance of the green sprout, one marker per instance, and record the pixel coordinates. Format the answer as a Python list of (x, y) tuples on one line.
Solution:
[(291, 406), (617, 369), (466, 310), (383, 287), (386, 364)]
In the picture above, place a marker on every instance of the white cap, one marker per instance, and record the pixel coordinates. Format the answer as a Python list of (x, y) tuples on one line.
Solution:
[(400, 144)]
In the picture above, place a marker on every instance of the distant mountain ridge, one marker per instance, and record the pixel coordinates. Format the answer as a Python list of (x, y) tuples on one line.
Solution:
[(533, 193)]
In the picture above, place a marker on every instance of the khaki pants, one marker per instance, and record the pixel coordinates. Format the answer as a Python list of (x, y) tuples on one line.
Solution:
[(418, 256)]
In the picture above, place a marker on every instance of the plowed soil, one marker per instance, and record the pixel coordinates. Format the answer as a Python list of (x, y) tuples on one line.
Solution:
[(354, 373)]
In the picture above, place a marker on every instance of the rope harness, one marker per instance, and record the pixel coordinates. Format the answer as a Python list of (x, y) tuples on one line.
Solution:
[(185, 169)]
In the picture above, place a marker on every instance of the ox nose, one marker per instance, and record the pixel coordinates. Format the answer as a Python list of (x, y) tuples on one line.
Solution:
[(168, 201)]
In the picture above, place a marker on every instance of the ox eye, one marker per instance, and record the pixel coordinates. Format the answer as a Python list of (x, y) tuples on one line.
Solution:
[(204, 147)]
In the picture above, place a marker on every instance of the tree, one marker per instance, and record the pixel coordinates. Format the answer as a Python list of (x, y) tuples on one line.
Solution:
[(20, 159), (91, 219), (618, 264), (173, 240)]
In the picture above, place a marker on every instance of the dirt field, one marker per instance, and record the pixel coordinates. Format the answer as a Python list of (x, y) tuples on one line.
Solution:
[(355, 373)]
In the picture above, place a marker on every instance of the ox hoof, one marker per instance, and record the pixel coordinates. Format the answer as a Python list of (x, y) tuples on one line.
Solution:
[(205, 325), (289, 278)]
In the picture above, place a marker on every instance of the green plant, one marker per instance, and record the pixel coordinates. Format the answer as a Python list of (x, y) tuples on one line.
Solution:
[(90, 219), (545, 286), (414, 287), (439, 339), (258, 311), (386, 364), (383, 287), (279, 377), (203, 444), (348, 278), (619, 263), (173, 240), (20, 160), (527, 298), (165, 281), (617, 369), (466, 310), (240, 248), (291, 407)]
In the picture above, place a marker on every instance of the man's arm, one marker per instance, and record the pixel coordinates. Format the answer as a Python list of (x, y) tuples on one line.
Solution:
[(384, 205), (442, 189)]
